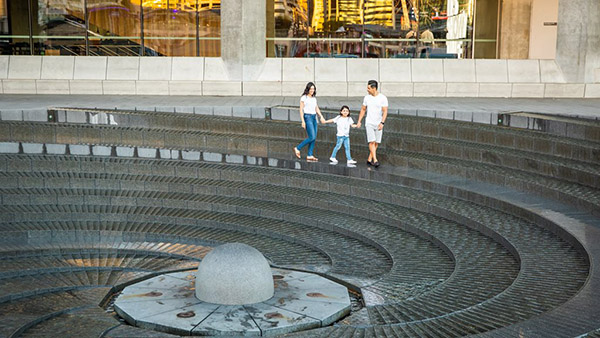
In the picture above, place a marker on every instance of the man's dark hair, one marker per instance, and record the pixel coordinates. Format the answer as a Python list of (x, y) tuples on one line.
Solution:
[(372, 84)]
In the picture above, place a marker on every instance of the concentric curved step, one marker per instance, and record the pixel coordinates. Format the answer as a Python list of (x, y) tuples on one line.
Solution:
[(427, 264)]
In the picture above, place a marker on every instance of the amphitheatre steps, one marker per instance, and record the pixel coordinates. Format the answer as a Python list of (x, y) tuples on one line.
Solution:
[(154, 191)]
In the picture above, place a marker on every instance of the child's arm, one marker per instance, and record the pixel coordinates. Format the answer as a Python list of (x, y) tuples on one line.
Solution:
[(354, 125), (327, 121)]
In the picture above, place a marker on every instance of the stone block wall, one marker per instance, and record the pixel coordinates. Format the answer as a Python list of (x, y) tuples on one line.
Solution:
[(287, 76)]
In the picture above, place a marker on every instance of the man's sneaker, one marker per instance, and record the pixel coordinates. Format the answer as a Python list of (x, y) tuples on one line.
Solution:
[(333, 160), (351, 162)]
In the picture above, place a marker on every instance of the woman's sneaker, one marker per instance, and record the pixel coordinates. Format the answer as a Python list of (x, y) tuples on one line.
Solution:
[(333, 160), (351, 162)]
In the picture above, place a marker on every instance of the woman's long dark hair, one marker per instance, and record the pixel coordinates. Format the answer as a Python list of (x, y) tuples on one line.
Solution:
[(307, 89)]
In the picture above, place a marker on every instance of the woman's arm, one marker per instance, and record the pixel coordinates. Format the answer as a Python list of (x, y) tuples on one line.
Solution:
[(302, 114), (319, 113)]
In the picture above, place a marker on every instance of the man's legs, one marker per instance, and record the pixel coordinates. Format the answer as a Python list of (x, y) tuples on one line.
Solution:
[(373, 152)]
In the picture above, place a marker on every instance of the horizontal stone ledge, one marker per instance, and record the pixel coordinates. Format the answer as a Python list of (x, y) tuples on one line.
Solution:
[(295, 88)]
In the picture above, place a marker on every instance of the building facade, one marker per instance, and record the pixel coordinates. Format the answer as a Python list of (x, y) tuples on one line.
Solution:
[(513, 48)]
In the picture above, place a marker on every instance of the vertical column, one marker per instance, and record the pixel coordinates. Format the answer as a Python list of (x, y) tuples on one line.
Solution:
[(578, 40), (514, 29), (243, 37)]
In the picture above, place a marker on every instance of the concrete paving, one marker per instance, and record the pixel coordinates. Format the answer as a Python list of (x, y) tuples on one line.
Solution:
[(587, 108), (167, 303)]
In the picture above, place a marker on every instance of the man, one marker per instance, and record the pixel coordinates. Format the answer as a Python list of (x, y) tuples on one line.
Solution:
[(376, 106)]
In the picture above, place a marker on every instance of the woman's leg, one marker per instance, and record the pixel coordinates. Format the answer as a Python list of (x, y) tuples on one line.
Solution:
[(347, 147), (338, 145), (313, 137), (310, 132)]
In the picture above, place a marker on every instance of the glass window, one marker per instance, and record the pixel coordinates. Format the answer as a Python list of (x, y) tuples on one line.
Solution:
[(209, 28), (14, 27), (287, 28), (182, 27), (114, 27), (374, 28), (58, 27)]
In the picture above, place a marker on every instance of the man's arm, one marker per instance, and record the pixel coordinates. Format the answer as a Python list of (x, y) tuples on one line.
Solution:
[(363, 109), (383, 117)]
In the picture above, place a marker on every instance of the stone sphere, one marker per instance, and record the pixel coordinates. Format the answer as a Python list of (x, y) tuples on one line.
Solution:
[(234, 274)]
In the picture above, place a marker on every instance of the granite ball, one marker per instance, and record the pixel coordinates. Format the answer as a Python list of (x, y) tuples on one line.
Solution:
[(234, 274)]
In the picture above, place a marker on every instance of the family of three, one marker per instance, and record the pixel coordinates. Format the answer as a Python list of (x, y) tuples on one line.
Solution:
[(374, 104)]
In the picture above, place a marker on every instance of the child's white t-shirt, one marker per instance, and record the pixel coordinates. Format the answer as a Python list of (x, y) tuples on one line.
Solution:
[(310, 104), (343, 125)]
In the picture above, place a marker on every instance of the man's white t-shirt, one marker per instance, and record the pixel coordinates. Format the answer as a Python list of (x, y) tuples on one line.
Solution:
[(310, 104), (343, 125), (374, 105)]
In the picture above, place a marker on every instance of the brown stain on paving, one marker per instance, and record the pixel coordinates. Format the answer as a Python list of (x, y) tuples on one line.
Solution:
[(147, 294), (187, 314)]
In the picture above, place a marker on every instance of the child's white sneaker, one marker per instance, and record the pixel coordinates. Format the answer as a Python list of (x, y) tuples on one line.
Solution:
[(333, 160), (351, 162)]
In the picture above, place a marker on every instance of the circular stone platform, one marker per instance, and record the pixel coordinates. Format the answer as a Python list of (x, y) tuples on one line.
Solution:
[(234, 274), (167, 303)]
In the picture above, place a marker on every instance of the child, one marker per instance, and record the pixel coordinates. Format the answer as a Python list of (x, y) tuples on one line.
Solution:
[(343, 122)]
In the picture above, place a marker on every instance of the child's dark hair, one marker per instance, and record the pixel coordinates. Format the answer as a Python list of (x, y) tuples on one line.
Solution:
[(341, 109)]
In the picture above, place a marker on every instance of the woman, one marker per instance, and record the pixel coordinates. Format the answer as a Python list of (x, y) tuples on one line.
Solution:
[(308, 115)]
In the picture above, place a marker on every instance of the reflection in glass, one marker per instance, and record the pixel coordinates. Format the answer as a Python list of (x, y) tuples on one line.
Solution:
[(289, 27), (58, 27), (170, 27), (111, 27), (14, 25), (374, 28)]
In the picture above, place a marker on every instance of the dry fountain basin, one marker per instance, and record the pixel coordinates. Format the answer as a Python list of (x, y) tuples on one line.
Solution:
[(234, 292)]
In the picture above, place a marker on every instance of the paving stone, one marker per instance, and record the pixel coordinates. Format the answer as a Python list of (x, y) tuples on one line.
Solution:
[(125, 151), (76, 149), (36, 115), (212, 157), (190, 155), (147, 152), (203, 110), (101, 150), (9, 147), (282, 114), (242, 111), (74, 116), (222, 111), (11, 115)]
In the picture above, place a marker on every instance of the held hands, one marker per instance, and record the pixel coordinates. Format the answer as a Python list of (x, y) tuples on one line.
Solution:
[(358, 124), (322, 120), (380, 126), (354, 125)]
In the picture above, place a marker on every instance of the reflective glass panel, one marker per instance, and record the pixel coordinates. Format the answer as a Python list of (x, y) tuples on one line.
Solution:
[(287, 27), (58, 27), (171, 27), (114, 27), (380, 28), (14, 28)]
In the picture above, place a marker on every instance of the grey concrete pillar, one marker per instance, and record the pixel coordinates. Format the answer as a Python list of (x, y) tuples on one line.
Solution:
[(578, 40), (243, 37)]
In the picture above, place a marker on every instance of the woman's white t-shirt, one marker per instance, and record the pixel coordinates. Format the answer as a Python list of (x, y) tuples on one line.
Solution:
[(310, 104), (343, 125)]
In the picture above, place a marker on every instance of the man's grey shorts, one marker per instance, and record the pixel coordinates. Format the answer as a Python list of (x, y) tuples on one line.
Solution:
[(373, 135)]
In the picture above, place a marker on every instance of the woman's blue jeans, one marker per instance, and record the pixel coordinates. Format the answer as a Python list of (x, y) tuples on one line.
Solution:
[(311, 131), (342, 140)]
